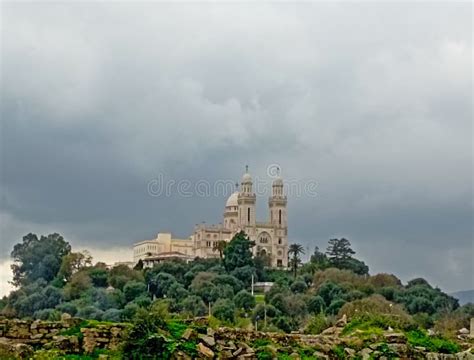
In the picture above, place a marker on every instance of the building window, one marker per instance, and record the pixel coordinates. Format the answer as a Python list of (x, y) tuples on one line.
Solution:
[(208, 243), (279, 263), (279, 241), (279, 216), (248, 214), (280, 253)]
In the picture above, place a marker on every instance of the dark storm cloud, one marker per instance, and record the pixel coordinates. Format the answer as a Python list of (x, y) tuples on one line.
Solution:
[(372, 101)]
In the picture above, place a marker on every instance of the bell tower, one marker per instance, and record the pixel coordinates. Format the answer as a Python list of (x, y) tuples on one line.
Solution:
[(246, 201), (277, 207)]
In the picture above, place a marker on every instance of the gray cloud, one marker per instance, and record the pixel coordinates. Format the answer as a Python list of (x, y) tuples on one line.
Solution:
[(372, 101)]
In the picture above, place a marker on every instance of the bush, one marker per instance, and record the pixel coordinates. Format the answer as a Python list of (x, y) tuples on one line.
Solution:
[(316, 304), (384, 280), (298, 286), (330, 291), (143, 301), (377, 307), (260, 309), (244, 300), (129, 311), (68, 308), (144, 340), (48, 314), (224, 310), (133, 289), (194, 306), (90, 312), (113, 315), (316, 324), (335, 306), (337, 276)]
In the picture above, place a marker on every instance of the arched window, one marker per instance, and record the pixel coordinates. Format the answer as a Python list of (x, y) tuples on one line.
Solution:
[(279, 216), (248, 214)]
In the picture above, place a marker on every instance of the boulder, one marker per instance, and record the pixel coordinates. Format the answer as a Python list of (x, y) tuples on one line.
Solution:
[(342, 321), (189, 333), (365, 353), (350, 352), (205, 351), (395, 337), (209, 340)]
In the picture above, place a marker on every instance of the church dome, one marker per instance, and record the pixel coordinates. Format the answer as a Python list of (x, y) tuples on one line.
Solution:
[(232, 200)]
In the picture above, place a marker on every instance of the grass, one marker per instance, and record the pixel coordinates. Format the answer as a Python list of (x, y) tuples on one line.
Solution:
[(176, 329), (259, 298), (432, 343)]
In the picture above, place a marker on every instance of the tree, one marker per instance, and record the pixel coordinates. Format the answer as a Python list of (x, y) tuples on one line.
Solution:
[(73, 262), (194, 305), (244, 300), (238, 252), (298, 286), (121, 274), (224, 310), (98, 275), (220, 247), (339, 250), (134, 289), (318, 257), (316, 304), (80, 282), (294, 251), (38, 258)]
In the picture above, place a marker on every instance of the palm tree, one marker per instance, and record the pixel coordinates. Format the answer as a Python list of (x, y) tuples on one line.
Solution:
[(296, 250), (220, 246)]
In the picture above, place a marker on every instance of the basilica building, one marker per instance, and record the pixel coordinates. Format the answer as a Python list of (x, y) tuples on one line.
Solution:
[(270, 237)]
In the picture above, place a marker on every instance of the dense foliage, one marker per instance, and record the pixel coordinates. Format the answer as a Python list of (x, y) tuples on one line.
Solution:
[(51, 280)]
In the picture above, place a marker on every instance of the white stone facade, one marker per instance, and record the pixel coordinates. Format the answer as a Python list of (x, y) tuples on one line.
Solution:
[(271, 237)]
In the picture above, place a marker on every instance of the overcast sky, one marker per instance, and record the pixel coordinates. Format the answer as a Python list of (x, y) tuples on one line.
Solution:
[(371, 101)]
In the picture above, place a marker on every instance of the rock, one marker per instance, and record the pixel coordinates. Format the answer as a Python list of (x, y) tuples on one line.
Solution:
[(365, 353), (238, 351), (463, 331), (319, 355), (210, 332), (225, 354), (248, 349), (399, 349), (209, 340), (65, 317), (180, 356), (295, 356), (188, 334), (342, 321), (9, 350), (375, 346), (204, 350), (350, 352), (395, 337), (36, 336)]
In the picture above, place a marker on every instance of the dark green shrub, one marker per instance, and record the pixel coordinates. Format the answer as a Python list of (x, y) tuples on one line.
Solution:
[(224, 310)]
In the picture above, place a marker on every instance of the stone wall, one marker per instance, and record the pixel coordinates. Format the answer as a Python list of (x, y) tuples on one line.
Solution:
[(70, 334)]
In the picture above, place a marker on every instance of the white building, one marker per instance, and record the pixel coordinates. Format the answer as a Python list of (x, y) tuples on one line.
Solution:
[(271, 236)]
